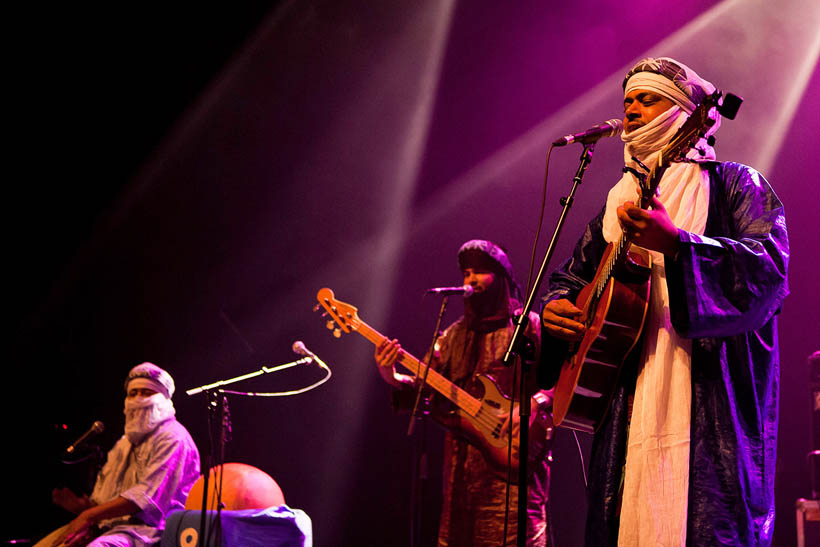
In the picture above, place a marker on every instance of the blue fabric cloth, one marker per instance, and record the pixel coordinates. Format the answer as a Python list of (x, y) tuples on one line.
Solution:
[(272, 527), (725, 289)]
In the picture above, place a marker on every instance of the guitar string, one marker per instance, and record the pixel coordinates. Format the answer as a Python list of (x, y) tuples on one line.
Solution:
[(622, 243), (490, 422)]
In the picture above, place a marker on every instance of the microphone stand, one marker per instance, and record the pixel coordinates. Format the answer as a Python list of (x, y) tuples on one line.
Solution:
[(421, 473), (515, 346), (219, 406)]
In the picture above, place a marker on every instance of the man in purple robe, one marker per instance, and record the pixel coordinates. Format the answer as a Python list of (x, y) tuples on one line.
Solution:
[(686, 452)]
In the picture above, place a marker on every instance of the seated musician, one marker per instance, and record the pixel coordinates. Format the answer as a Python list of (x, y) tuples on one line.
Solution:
[(147, 474), (686, 452), (474, 496)]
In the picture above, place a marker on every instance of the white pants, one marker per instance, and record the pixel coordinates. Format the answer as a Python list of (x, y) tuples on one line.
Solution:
[(109, 540)]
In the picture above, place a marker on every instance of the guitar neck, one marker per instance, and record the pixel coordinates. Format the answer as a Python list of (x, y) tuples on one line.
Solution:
[(620, 247), (455, 394)]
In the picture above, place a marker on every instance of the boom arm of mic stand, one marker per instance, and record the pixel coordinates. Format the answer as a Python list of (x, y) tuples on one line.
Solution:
[(263, 370)]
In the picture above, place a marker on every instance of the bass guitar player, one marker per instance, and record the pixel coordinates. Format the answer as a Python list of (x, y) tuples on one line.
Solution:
[(472, 348)]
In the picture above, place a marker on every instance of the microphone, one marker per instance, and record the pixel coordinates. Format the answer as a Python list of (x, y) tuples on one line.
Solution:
[(299, 348), (466, 290), (609, 128), (96, 427)]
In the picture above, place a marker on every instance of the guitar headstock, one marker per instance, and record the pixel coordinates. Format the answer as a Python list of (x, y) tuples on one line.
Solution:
[(694, 129), (691, 132), (343, 316)]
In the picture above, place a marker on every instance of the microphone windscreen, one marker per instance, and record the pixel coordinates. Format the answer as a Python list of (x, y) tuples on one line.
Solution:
[(300, 348)]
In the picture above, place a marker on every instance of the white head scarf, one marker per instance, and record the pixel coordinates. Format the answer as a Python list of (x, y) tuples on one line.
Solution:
[(144, 414), (685, 186)]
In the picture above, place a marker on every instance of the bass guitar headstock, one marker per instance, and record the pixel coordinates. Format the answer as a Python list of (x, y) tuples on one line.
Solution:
[(343, 316)]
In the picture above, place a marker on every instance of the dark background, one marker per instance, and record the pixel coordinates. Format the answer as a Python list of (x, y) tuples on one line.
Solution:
[(184, 179)]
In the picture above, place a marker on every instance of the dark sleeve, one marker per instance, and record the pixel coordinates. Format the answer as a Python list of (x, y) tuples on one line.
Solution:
[(733, 280), (566, 281)]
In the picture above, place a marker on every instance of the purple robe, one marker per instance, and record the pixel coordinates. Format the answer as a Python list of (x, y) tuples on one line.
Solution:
[(725, 289)]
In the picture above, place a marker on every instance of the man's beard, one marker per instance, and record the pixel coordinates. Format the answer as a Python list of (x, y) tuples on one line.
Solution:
[(144, 414), (490, 309)]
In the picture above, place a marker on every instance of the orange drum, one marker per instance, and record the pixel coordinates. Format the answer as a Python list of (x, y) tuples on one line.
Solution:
[(243, 487)]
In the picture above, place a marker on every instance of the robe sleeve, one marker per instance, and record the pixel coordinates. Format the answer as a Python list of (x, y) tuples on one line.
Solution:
[(736, 281), (172, 466)]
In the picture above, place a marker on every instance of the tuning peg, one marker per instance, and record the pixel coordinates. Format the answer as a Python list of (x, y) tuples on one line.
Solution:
[(330, 325), (337, 332), (316, 307)]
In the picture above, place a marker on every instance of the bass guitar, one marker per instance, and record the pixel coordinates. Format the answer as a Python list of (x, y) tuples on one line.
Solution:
[(615, 303), (478, 420)]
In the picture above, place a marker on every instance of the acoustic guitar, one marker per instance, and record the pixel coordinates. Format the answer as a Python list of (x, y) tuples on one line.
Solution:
[(476, 419), (615, 303)]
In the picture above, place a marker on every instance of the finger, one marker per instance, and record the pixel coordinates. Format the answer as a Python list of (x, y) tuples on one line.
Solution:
[(505, 426), (627, 222), (568, 309), (391, 355), (562, 308), (380, 349), (636, 213), (384, 347), (568, 335), (565, 322), (656, 204), (563, 333)]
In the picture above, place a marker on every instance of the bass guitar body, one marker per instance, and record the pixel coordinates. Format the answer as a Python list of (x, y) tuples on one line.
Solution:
[(614, 321), (483, 430)]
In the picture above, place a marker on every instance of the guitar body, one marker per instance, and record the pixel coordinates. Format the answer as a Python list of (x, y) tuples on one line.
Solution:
[(590, 373), (483, 430)]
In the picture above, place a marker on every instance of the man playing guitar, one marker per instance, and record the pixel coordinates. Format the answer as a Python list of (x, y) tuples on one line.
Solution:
[(474, 503), (685, 452)]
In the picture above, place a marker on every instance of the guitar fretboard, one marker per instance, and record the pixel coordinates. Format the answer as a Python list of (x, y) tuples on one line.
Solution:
[(455, 394)]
